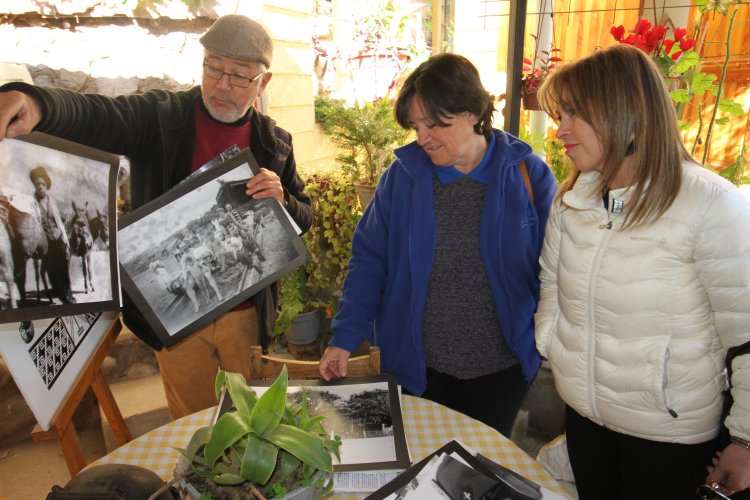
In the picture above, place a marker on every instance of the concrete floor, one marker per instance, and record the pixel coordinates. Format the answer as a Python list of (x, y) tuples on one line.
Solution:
[(28, 470)]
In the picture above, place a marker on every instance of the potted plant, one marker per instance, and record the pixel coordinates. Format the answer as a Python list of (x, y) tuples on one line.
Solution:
[(299, 314), (387, 39), (535, 71), (267, 444), (367, 134), (316, 286)]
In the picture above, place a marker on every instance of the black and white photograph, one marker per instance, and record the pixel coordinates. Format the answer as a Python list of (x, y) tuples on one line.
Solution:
[(365, 412), (57, 229), (46, 356), (456, 472), (203, 248)]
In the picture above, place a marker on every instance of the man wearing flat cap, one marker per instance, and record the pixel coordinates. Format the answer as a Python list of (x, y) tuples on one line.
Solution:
[(168, 135), (57, 259)]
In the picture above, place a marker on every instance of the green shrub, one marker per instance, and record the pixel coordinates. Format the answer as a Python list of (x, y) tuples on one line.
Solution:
[(318, 283), (368, 134)]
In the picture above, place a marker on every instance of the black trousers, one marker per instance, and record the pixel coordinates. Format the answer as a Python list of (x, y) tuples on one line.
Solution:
[(607, 464), (493, 399), (57, 263)]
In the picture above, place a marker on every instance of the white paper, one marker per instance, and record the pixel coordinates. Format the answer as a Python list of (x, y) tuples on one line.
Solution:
[(365, 481)]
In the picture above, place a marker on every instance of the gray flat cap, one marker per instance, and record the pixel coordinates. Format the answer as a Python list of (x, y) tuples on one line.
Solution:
[(240, 37)]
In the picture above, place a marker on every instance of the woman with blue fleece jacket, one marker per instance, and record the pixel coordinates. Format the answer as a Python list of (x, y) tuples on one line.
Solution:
[(443, 274)]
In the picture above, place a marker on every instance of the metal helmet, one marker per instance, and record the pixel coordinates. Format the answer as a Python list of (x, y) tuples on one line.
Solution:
[(114, 482)]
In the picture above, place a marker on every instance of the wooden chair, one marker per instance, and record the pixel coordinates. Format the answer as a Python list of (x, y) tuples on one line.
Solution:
[(263, 366)]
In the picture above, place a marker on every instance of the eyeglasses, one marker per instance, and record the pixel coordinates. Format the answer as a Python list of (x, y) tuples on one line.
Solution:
[(711, 492), (236, 80)]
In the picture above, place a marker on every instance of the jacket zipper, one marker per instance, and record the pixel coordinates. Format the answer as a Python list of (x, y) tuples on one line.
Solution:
[(603, 243), (664, 385)]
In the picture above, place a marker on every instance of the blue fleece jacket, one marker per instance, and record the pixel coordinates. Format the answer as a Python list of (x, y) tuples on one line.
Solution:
[(393, 248)]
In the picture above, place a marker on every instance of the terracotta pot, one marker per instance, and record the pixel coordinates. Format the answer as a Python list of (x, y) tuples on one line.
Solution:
[(529, 99)]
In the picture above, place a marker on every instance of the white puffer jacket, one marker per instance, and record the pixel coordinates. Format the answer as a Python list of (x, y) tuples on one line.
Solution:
[(636, 323)]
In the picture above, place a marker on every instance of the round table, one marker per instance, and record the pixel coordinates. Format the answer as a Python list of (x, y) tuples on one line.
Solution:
[(427, 425)]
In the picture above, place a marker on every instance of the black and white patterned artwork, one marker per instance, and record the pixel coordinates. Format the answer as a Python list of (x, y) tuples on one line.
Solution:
[(46, 356), (56, 346)]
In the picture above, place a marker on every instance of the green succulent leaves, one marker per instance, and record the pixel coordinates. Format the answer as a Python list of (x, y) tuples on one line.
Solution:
[(263, 434)]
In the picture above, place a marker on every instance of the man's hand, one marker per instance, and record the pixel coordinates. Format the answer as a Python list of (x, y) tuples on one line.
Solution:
[(265, 184), (19, 114), (334, 363), (731, 469)]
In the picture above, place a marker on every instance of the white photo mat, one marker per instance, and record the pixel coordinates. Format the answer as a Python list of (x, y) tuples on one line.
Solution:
[(80, 176), (365, 446), (47, 366)]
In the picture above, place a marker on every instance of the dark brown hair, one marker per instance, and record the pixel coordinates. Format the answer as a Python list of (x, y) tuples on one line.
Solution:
[(447, 84)]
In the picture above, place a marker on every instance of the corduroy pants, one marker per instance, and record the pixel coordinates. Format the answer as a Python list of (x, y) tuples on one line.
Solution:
[(188, 369)]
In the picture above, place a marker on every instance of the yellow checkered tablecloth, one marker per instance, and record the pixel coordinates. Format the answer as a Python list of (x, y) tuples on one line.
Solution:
[(428, 426)]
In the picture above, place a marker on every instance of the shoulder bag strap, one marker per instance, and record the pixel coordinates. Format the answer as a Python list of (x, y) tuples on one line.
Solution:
[(526, 180)]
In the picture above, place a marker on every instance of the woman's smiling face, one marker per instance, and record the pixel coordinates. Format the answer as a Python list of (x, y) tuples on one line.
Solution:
[(456, 144)]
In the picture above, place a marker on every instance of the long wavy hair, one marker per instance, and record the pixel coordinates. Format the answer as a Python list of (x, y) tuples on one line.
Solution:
[(447, 84), (620, 93)]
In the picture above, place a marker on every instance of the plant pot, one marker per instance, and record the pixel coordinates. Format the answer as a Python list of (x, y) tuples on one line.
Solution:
[(365, 193), (301, 493), (304, 329), (190, 492), (530, 100)]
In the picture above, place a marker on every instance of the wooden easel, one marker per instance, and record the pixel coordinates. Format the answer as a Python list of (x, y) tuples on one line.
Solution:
[(61, 427)]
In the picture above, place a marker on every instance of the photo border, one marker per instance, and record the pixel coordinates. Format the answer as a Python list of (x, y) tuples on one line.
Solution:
[(243, 158), (401, 462), (113, 304)]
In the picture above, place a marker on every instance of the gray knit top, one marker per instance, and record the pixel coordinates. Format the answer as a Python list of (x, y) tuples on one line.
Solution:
[(462, 334)]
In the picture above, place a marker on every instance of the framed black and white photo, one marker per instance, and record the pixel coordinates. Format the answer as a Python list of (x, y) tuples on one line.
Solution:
[(57, 229), (365, 412), (203, 248)]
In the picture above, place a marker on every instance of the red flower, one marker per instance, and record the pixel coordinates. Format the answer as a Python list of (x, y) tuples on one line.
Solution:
[(659, 32), (687, 44), (642, 26), (642, 36), (617, 32), (679, 33)]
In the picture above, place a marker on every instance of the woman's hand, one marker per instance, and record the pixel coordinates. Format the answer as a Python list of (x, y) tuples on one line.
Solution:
[(334, 363), (731, 469)]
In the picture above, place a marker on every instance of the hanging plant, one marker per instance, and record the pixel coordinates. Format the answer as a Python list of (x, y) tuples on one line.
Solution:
[(535, 71)]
